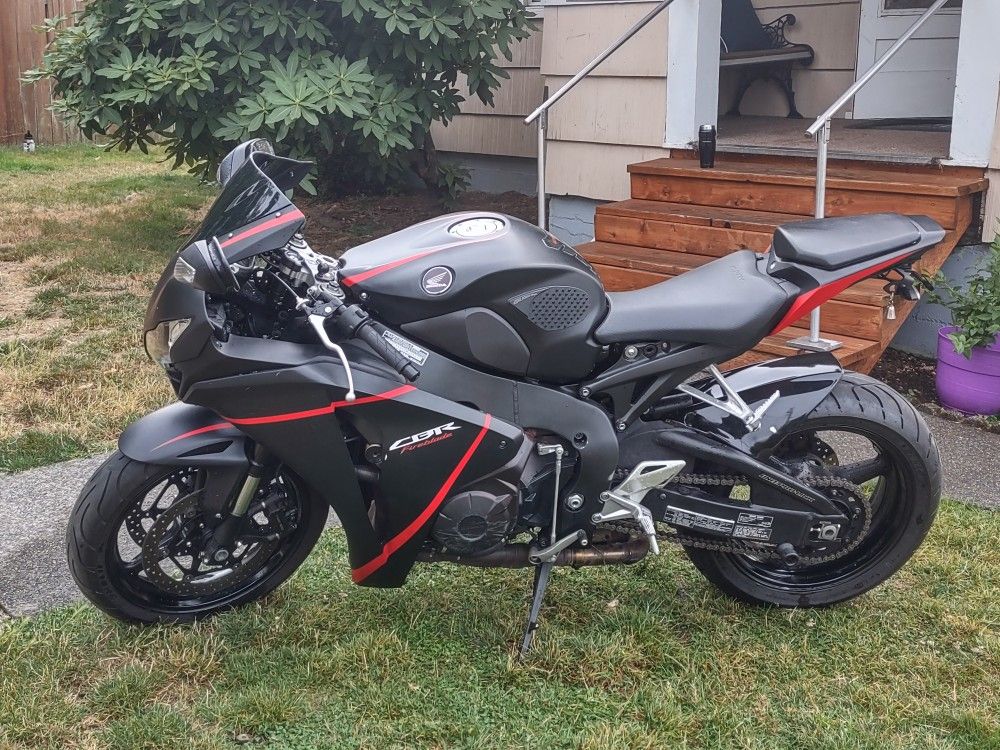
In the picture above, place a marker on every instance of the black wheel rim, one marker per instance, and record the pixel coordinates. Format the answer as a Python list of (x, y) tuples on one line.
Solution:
[(153, 502), (890, 490)]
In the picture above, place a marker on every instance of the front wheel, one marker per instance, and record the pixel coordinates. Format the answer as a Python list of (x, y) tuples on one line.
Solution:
[(140, 545), (867, 433)]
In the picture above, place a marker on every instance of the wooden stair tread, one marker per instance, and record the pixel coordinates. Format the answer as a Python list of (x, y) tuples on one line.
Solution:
[(853, 350), (708, 216), (838, 177), (669, 264)]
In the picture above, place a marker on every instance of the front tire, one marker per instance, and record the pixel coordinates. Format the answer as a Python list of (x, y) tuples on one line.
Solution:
[(905, 491), (115, 514)]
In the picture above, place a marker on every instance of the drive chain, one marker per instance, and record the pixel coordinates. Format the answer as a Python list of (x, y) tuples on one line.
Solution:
[(750, 548)]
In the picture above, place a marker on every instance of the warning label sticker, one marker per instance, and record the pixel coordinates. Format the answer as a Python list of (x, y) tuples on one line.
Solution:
[(406, 347), (757, 533), (755, 519)]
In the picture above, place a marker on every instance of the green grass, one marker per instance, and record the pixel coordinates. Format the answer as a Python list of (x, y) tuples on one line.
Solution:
[(643, 657), (84, 234)]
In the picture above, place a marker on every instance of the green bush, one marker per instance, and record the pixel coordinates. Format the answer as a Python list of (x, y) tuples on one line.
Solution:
[(354, 84), (975, 306)]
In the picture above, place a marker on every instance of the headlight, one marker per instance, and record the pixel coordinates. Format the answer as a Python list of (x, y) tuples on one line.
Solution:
[(163, 337)]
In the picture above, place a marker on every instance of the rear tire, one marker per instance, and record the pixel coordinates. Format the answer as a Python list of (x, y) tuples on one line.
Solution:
[(99, 522), (909, 498)]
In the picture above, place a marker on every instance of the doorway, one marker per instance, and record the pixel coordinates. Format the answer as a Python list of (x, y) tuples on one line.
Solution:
[(920, 81)]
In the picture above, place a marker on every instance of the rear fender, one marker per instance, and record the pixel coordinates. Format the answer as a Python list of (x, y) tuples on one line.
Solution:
[(186, 435), (802, 382)]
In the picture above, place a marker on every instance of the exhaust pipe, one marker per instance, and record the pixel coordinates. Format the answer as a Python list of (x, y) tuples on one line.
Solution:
[(517, 555)]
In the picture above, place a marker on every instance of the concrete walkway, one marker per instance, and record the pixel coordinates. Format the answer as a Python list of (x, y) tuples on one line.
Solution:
[(35, 505)]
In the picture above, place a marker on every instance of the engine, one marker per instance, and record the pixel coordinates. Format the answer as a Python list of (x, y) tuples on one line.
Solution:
[(482, 517), (477, 520)]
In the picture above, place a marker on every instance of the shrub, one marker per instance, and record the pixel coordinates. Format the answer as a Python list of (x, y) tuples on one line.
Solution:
[(354, 84), (975, 306)]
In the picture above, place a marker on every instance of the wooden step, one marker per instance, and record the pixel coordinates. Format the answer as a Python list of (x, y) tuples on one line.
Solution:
[(848, 177), (851, 352), (686, 228), (808, 162), (790, 189), (681, 216), (720, 218)]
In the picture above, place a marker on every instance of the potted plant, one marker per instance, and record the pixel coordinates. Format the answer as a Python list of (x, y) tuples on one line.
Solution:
[(968, 367)]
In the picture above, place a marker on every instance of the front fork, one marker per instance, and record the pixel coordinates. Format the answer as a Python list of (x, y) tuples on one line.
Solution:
[(218, 548)]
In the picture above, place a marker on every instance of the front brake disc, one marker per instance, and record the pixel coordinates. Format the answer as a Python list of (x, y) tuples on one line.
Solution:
[(171, 554)]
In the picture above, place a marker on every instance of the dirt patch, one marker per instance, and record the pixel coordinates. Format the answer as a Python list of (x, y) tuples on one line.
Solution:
[(914, 377), (335, 226)]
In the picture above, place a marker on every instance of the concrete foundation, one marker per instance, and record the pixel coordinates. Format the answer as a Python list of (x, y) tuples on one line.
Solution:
[(497, 174)]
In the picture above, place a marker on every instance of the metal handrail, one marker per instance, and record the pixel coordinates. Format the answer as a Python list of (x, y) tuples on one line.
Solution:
[(541, 112), (820, 130)]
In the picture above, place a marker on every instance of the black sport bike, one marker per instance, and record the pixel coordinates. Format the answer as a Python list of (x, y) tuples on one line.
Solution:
[(465, 391)]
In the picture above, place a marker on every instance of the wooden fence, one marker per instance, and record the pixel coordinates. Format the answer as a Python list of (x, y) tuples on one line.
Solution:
[(24, 108)]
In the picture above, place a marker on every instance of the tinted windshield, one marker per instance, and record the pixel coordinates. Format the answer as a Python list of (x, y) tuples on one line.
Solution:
[(255, 191)]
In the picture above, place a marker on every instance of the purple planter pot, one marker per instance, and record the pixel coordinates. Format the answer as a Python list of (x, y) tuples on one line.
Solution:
[(972, 385)]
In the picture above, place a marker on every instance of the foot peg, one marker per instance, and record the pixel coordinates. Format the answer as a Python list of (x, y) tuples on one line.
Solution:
[(625, 500)]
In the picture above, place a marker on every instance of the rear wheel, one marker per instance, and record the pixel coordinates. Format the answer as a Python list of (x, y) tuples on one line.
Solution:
[(870, 435), (140, 545)]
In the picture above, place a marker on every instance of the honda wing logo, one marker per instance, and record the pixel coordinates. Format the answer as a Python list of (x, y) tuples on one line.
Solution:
[(425, 438), (437, 280)]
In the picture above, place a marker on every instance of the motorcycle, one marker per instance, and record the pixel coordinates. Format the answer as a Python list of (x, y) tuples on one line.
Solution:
[(465, 391)]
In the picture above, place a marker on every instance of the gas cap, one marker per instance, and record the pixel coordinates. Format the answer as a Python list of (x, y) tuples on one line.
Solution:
[(480, 226)]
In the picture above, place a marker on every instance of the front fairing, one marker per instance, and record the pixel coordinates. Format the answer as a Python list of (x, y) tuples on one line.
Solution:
[(252, 215)]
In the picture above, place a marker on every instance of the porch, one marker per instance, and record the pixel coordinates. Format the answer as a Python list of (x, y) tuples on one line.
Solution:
[(902, 141)]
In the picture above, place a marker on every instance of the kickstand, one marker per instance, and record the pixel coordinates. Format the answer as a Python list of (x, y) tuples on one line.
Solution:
[(542, 574)]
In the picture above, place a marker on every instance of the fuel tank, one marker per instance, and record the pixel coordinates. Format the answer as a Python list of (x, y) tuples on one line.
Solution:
[(489, 289)]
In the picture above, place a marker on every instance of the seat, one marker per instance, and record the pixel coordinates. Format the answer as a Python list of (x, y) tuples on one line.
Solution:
[(729, 302), (832, 244)]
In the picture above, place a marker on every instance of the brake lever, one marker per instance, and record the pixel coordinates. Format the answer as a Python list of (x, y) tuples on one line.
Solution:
[(318, 323)]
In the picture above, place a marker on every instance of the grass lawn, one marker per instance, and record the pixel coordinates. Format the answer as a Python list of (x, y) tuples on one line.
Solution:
[(84, 235), (641, 657)]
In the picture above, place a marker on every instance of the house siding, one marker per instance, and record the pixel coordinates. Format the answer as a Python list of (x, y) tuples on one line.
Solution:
[(499, 130), (615, 116)]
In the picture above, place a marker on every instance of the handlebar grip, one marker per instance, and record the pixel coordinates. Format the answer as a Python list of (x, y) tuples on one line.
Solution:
[(371, 334)]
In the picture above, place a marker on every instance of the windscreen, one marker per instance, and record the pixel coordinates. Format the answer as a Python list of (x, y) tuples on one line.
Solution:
[(256, 190)]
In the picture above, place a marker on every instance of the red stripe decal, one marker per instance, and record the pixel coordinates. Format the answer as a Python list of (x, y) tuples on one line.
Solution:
[(329, 409), (269, 224), (359, 277), (364, 275), (192, 433), (807, 302), (394, 544)]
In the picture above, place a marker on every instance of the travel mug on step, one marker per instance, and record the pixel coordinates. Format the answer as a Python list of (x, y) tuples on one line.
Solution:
[(706, 146)]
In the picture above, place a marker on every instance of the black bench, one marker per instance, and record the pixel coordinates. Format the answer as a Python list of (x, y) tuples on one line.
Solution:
[(760, 50)]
